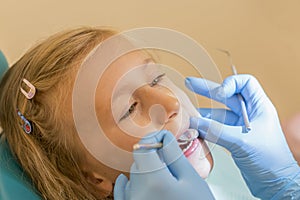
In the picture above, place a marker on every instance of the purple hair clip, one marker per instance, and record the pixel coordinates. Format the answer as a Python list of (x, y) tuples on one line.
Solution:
[(26, 126)]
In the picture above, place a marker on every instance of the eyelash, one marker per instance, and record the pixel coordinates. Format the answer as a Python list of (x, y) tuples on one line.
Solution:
[(132, 107)]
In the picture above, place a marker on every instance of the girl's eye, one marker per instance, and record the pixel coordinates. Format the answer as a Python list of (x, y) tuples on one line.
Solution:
[(157, 79), (130, 111), (133, 106)]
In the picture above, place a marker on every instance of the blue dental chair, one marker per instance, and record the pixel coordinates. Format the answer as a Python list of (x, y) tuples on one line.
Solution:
[(3, 64), (14, 184)]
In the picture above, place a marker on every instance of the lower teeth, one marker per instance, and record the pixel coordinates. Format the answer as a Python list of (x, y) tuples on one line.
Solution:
[(186, 148)]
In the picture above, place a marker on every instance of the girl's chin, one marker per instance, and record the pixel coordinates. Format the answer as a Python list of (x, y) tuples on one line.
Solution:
[(201, 160)]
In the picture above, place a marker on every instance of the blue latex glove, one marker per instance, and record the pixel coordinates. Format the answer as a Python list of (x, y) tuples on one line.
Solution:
[(161, 174), (262, 155)]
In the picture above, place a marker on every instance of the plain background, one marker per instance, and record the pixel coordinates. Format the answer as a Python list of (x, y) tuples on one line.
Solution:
[(262, 35)]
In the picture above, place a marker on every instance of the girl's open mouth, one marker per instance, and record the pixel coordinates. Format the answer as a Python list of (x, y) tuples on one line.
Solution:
[(189, 141)]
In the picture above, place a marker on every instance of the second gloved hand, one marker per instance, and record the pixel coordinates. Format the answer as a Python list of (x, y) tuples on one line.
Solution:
[(163, 174), (262, 155)]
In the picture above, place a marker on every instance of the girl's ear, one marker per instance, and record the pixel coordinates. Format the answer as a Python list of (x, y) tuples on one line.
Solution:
[(99, 182)]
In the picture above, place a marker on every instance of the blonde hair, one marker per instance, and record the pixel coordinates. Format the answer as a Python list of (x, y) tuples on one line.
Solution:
[(48, 155)]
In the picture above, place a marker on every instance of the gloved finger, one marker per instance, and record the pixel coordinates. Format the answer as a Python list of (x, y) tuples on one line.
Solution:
[(173, 156), (180, 167), (183, 170), (120, 186), (202, 86), (147, 159), (245, 84), (171, 150), (213, 91), (255, 98), (221, 115), (215, 132)]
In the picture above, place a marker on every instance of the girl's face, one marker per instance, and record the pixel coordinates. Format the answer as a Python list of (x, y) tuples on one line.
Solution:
[(134, 98)]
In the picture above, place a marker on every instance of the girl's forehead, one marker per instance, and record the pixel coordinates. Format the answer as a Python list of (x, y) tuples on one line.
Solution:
[(129, 65), (123, 76), (130, 60)]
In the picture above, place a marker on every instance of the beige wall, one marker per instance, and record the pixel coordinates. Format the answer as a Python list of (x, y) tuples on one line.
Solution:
[(262, 35)]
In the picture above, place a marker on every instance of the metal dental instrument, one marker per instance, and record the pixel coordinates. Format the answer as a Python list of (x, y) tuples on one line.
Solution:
[(240, 98), (186, 137), (147, 146)]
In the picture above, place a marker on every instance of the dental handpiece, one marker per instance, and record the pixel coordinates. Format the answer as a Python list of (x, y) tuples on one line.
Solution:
[(240, 98), (187, 136)]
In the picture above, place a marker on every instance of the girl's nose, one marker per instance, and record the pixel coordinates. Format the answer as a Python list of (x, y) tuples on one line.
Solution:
[(162, 96)]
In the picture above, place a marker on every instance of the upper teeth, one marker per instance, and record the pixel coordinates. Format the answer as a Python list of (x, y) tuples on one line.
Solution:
[(188, 135)]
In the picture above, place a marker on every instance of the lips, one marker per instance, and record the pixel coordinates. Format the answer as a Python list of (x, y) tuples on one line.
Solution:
[(192, 147)]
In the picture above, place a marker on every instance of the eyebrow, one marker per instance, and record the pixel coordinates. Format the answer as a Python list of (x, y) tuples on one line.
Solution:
[(144, 66)]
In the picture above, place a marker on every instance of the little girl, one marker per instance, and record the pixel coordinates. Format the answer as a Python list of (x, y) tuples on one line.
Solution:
[(38, 121)]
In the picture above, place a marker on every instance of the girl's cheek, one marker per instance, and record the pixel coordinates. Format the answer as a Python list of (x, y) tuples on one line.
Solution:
[(141, 117)]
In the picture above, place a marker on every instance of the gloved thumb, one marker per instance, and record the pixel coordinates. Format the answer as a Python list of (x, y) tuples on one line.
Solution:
[(244, 84), (203, 87), (120, 185), (221, 115)]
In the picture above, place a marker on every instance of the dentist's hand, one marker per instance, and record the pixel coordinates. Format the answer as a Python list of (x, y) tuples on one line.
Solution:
[(262, 154), (161, 174)]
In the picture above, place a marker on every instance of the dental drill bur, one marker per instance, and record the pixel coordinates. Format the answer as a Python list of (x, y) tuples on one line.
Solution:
[(240, 98)]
